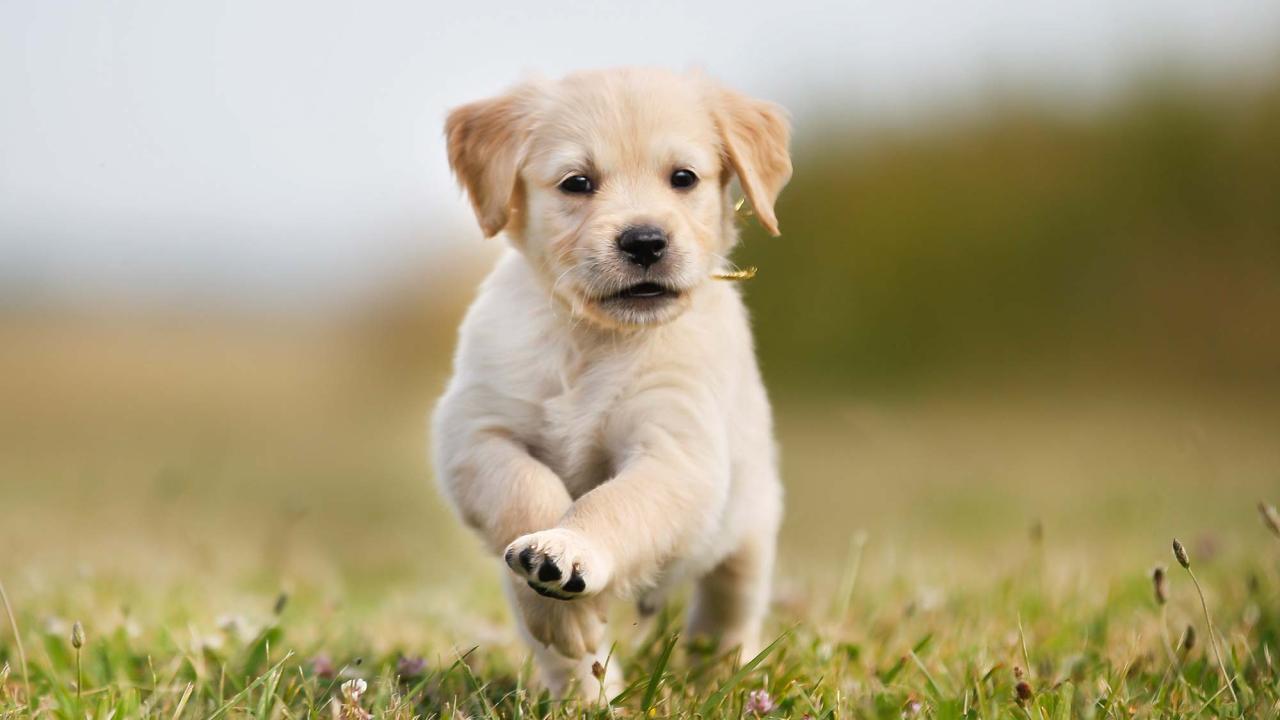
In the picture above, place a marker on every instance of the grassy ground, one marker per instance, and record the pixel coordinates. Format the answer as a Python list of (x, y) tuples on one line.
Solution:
[(241, 523), (1025, 639)]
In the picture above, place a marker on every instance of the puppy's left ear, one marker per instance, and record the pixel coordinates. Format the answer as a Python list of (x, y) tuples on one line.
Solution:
[(486, 142), (756, 135)]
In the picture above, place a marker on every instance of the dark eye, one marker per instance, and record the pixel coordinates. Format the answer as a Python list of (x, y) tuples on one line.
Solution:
[(577, 185), (682, 179)]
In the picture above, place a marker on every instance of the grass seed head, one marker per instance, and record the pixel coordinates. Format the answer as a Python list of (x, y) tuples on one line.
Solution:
[(597, 671), (1180, 553), (1023, 689), (1270, 517), (1189, 639), (1157, 581), (77, 635)]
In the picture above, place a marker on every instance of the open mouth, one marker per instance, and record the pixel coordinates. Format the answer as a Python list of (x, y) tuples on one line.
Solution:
[(644, 291)]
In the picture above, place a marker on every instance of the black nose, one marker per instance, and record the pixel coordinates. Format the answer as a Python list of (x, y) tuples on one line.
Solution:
[(643, 244)]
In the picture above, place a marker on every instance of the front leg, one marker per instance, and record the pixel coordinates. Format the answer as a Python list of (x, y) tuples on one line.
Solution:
[(503, 492), (667, 496), (496, 486)]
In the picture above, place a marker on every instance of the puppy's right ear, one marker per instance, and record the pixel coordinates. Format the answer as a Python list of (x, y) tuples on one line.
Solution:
[(486, 142)]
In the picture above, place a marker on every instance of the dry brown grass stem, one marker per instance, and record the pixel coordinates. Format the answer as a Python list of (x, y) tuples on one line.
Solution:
[(1180, 553), (17, 640)]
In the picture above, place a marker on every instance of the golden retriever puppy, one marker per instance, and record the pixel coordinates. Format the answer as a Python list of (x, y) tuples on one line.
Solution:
[(606, 430)]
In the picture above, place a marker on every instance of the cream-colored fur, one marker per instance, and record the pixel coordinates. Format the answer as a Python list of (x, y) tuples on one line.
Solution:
[(607, 448)]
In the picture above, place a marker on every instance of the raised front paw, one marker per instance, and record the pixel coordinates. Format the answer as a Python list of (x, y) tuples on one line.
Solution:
[(574, 629), (559, 563)]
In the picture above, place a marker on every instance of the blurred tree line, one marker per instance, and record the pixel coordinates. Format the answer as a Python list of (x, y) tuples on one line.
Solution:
[(1138, 240)]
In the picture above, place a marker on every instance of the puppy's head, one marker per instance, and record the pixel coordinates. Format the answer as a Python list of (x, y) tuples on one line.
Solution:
[(615, 184)]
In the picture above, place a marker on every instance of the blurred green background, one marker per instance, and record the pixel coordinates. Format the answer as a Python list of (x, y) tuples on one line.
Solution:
[(1137, 242), (1022, 307)]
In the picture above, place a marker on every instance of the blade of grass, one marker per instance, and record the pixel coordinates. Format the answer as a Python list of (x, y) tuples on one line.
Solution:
[(713, 702), (933, 684), (817, 711), (887, 676), (655, 678), (17, 640), (253, 685), (857, 543), (629, 691), (489, 710), (1022, 640), (1209, 701), (269, 694), (182, 703)]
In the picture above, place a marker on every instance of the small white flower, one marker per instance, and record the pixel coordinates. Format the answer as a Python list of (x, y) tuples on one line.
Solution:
[(353, 689)]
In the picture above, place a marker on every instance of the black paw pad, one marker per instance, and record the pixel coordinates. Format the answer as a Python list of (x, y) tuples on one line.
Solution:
[(576, 584), (526, 559), (549, 572), (546, 592)]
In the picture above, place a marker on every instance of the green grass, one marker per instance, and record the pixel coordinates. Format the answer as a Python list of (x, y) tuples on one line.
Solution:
[(1086, 643)]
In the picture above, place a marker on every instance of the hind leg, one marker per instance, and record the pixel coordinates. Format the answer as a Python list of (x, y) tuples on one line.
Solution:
[(730, 602)]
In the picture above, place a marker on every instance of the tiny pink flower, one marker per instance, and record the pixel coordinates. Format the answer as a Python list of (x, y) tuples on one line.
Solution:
[(759, 702), (410, 667), (322, 666)]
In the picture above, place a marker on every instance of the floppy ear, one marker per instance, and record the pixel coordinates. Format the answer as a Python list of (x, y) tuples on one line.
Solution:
[(486, 142), (756, 134)]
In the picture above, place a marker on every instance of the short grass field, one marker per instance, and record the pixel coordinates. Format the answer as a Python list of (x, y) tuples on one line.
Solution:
[(241, 524), (1023, 642), (1025, 637)]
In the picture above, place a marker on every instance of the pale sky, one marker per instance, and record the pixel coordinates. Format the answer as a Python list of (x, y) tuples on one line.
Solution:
[(270, 149)]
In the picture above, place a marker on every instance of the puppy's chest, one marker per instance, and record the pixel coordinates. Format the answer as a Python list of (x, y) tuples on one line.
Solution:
[(571, 433)]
